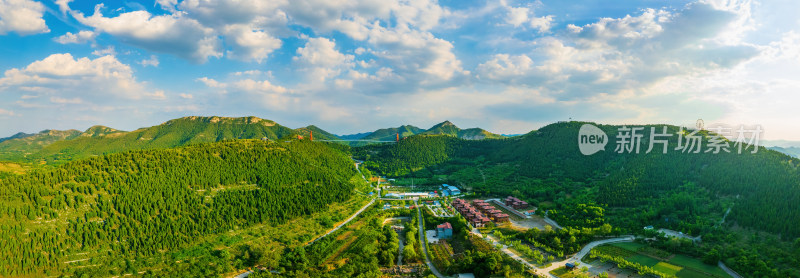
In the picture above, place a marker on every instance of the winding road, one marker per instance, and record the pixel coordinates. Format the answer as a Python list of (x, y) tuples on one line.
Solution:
[(573, 259)]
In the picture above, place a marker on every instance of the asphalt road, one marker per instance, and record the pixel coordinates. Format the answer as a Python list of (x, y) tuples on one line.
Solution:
[(573, 259), (422, 243)]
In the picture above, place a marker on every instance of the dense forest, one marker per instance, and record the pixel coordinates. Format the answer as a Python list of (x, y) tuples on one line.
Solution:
[(153, 201), (684, 191)]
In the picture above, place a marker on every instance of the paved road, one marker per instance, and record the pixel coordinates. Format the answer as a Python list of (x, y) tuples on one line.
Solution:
[(344, 223), (575, 258), (247, 273), (422, 243), (728, 270), (400, 255)]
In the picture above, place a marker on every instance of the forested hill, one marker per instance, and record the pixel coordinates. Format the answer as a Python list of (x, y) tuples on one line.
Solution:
[(388, 134), (177, 132), (318, 133), (448, 128), (688, 192), (152, 201), (443, 128), (16, 147)]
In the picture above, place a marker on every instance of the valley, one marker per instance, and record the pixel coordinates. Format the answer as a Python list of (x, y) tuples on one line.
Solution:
[(283, 205)]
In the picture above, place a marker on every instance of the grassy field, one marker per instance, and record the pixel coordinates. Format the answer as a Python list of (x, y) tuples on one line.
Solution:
[(642, 260), (694, 264), (631, 246), (679, 265), (614, 250), (667, 268)]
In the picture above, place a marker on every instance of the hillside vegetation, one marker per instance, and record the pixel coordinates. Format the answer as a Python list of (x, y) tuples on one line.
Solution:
[(688, 192), (150, 202), (19, 146), (178, 132)]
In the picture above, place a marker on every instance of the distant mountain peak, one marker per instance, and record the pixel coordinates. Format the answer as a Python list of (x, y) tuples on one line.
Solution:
[(444, 124), (219, 119), (99, 130)]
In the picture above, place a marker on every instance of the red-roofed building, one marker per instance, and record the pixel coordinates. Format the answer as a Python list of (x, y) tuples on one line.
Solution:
[(444, 230)]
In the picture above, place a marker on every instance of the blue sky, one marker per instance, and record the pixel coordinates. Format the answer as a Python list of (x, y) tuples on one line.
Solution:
[(355, 66)]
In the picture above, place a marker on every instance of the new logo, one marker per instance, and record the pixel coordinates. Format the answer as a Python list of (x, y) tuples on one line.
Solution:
[(591, 139)]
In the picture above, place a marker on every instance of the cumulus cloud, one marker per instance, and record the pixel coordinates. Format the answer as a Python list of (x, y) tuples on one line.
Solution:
[(173, 34), (412, 51), (63, 5), (80, 37), (250, 44), (505, 67), (23, 17), (320, 57), (623, 55), (65, 78), (523, 16)]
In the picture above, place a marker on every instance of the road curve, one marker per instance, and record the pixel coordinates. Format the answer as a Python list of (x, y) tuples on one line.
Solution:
[(574, 258)]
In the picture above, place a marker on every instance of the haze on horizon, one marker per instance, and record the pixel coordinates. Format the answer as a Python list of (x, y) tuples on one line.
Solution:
[(506, 66)]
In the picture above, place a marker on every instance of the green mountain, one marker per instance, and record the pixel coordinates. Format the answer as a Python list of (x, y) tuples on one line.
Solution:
[(448, 128), (319, 134), (390, 134), (687, 192), (100, 140), (444, 128), (20, 145), (98, 130), (354, 136), (170, 210), (17, 136)]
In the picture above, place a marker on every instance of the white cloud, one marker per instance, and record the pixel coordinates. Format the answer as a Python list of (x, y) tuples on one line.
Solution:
[(263, 86), (104, 52), (81, 37), (542, 24), (63, 77), (622, 55), (320, 57), (248, 72), (520, 16), (168, 5), (226, 12), (249, 44), (4, 112), (63, 6), (504, 66), (22, 16), (417, 52), (153, 61), (211, 82), (173, 34), (186, 96), (517, 16)]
